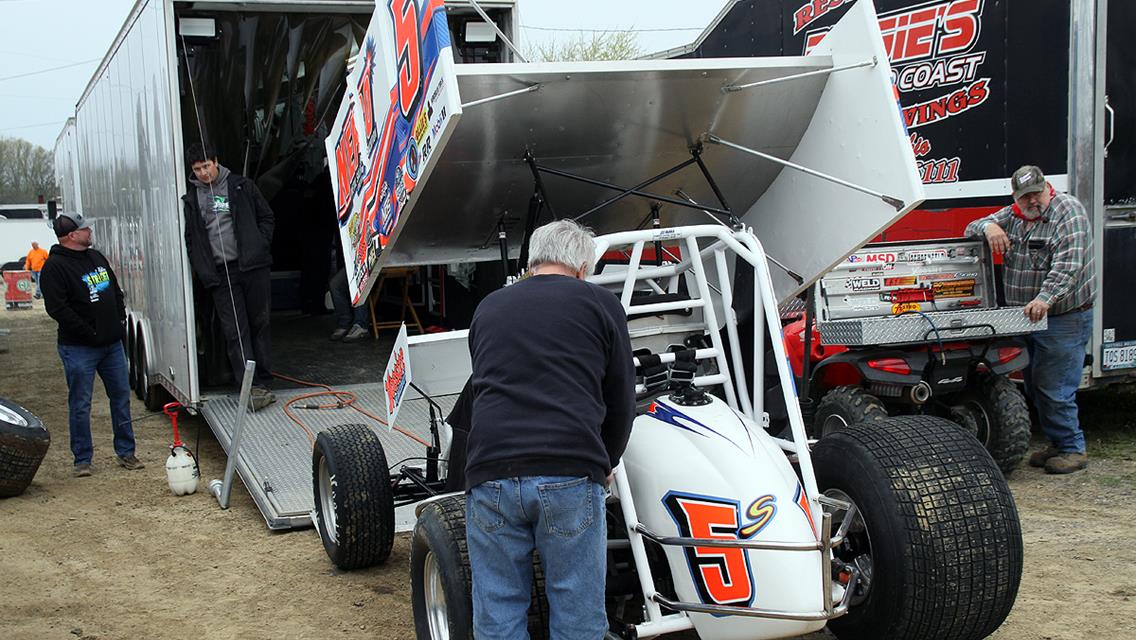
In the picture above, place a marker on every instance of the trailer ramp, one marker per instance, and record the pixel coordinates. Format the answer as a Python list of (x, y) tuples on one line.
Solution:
[(275, 460)]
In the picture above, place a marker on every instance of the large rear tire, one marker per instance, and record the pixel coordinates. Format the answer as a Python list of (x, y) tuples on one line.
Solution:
[(843, 406), (354, 498), (23, 444), (935, 530), (441, 582)]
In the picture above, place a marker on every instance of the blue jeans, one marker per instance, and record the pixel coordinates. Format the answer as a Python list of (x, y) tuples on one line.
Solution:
[(563, 518), (35, 278), (1057, 356), (80, 364)]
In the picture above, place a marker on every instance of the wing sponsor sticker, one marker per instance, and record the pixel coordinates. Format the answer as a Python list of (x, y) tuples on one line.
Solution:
[(954, 288), (905, 281), (863, 284), (904, 307), (936, 277)]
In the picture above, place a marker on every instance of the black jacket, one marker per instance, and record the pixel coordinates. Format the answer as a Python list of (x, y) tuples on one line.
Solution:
[(553, 381), (253, 222), (81, 292)]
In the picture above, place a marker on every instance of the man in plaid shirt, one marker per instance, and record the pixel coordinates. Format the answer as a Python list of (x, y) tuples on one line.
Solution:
[(1047, 249)]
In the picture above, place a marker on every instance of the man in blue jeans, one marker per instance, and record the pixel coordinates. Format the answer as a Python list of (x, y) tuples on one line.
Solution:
[(82, 294), (553, 400), (1047, 247)]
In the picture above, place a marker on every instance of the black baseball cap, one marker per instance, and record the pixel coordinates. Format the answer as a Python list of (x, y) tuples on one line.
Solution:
[(69, 221)]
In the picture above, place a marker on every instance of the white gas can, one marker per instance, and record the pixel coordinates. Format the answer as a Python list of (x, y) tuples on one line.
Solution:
[(181, 471)]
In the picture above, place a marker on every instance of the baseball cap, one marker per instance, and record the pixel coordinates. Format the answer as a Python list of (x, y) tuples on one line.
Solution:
[(69, 221), (1028, 179)]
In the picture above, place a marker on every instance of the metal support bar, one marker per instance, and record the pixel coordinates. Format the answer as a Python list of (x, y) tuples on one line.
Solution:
[(682, 194), (219, 489), (500, 34), (644, 194), (697, 153), (502, 96), (797, 76), (633, 190), (539, 182), (894, 202), (535, 205), (503, 243)]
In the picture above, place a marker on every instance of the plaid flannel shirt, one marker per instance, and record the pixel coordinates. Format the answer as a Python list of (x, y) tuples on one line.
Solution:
[(1050, 259)]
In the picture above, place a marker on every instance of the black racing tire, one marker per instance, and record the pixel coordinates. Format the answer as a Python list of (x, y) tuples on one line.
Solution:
[(441, 582), (1008, 420), (937, 529), (354, 497), (843, 406), (23, 444)]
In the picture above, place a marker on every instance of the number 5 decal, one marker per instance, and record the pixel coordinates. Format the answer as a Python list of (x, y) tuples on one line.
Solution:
[(721, 576)]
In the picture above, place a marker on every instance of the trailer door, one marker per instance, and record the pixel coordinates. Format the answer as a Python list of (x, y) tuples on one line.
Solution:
[(1118, 254)]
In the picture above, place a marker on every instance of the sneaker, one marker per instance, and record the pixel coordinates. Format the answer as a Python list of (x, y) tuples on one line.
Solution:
[(260, 398), (1066, 462), (1039, 458), (82, 470), (337, 335), (130, 462), (356, 334)]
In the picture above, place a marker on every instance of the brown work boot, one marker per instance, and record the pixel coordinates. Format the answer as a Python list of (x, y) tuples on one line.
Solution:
[(130, 462), (1066, 462), (82, 470), (1039, 458)]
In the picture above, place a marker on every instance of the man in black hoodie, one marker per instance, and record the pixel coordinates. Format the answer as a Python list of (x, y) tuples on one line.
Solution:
[(228, 234), (81, 293)]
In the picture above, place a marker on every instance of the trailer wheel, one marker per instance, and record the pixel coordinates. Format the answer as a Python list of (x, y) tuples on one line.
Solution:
[(131, 362), (23, 444), (354, 498), (843, 406), (441, 581), (153, 396), (934, 530), (996, 413)]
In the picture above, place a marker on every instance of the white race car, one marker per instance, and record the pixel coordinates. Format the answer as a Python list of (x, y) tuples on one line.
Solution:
[(721, 519)]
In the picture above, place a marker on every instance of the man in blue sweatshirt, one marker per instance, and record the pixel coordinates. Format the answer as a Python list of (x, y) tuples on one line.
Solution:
[(81, 293), (553, 400)]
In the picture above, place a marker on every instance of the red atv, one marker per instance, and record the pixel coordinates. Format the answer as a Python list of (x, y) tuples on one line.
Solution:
[(914, 328)]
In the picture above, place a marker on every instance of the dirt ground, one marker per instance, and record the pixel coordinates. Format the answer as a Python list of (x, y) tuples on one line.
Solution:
[(117, 555)]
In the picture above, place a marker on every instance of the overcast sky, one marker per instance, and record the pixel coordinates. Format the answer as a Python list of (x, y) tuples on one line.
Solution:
[(55, 46)]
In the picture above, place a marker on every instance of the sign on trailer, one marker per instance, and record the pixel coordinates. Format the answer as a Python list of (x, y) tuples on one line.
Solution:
[(399, 109)]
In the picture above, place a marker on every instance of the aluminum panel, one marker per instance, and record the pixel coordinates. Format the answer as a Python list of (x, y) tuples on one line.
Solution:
[(620, 122), (275, 461), (911, 328)]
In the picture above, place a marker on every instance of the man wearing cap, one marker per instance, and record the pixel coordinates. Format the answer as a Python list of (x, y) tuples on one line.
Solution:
[(1047, 248), (81, 293)]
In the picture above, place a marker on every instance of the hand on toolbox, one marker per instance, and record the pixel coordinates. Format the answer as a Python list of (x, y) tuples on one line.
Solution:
[(1036, 310)]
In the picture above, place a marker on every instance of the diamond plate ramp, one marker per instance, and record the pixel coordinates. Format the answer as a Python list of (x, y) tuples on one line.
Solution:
[(275, 460)]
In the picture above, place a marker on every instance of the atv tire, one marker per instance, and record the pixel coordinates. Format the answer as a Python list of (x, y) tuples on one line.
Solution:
[(441, 579), (1007, 420), (937, 529), (843, 406), (353, 495), (23, 444)]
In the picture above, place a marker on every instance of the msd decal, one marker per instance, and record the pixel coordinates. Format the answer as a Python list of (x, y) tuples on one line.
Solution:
[(888, 258)]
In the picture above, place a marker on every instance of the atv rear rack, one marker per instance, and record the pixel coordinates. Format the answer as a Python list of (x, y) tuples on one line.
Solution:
[(912, 328)]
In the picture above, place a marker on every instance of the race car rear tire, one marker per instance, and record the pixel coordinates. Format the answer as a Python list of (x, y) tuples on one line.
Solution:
[(938, 530), (843, 406), (354, 499), (441, 581), (23, 444)]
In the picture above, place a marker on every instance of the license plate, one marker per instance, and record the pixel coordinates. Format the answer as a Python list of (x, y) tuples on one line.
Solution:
[(1119, 355)]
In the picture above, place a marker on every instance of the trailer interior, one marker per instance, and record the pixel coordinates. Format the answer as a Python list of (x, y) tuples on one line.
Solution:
[(262, 87)]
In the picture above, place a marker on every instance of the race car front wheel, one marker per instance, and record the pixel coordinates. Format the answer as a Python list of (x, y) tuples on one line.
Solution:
[(934, 530), (23, 444), (354, 500)]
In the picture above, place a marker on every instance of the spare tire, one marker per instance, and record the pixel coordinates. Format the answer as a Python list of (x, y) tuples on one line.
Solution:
[(354, 499), (934, 530), (23, 444)]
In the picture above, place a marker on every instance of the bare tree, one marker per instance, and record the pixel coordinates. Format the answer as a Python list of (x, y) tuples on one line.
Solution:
[(596, 45), (26, 172)]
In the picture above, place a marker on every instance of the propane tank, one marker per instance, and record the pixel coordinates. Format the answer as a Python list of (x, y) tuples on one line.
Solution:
[(181, 470), (181, 467)]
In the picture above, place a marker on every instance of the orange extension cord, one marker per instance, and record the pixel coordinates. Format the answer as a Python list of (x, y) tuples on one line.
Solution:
[(343, 399)]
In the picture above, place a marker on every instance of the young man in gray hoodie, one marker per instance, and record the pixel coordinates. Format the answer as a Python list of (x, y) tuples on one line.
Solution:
[(228, 235)]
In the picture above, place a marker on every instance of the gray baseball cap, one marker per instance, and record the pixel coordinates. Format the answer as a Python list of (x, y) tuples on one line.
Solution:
[(67, 221), (1028, 179)]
